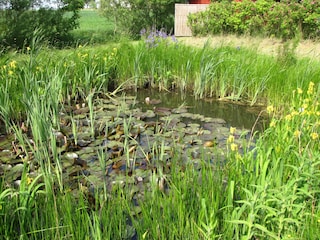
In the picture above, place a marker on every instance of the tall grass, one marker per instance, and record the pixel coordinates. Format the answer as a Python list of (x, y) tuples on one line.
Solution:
[(270, 192)]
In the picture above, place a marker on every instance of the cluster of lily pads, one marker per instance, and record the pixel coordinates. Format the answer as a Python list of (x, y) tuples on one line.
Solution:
[(118, 141)]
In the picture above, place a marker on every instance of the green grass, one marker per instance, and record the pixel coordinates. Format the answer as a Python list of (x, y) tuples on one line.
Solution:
[(93, 28), (270, 192)]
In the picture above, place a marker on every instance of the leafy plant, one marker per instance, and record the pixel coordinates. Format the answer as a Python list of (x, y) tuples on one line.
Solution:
[(130, 16), (283, 19), (22, 17)]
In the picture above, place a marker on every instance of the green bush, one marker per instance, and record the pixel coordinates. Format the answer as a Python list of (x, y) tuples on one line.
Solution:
[(158, 14), (268, 18), (23, 18)]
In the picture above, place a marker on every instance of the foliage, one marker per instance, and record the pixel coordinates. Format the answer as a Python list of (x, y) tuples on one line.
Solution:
[(130, 16), (281, 19), (269, 191), (52, 24), (279, 188)]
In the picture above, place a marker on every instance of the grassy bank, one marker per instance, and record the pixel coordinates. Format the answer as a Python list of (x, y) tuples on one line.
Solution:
[(269, 192)]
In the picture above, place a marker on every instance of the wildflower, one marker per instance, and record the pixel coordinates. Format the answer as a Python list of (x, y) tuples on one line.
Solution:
[(305, 105), (29, 180), (288, 117), (28, 49), (272, 123), (230, 139), (232, 130), (270, 109), (310, 88), (114, 49), (300, 91), (314, 135), (234, 147), (10, 72), (238, 156), (297, 133), (13, 64)]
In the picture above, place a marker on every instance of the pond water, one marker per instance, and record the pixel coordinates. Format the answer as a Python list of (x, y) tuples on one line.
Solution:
[(126, 140), (235, 114)]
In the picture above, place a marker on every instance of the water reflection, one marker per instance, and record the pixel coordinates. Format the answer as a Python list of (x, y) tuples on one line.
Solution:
[(240, 116)]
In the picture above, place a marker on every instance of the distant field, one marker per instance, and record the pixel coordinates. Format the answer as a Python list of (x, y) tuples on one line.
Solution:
[(94, 28)]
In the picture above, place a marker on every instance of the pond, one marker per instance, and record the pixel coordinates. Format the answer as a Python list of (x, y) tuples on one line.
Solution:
[(136, 138), (234, 113)]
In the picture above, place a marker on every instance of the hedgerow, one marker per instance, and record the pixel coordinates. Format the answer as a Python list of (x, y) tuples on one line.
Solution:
[(283, 19)]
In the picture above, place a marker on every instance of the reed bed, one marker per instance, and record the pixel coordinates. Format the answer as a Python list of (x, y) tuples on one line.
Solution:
[(270, 192)]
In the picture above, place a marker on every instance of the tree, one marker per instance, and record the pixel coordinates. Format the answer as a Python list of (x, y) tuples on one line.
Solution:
[(131, 16), (20, 19)]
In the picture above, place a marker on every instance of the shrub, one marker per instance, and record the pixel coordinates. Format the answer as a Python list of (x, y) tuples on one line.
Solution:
[(281, 19), (22, 17), (130, 16)]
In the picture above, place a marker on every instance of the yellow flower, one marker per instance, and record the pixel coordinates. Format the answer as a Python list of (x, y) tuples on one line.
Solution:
[(28, 48), (10, 72), (297, 133), (13, 64), (310, 88), (230, 139), (29, 180), (238, 156), (234, 147), (314, 135), (270, 109), (288, 117), (232, 130), (299, 90), (272, 123)]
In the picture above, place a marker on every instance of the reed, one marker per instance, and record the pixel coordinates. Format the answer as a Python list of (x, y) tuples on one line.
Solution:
[(270, 191)]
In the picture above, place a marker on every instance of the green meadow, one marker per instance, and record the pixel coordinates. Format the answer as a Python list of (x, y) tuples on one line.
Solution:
[(93, 28), (269, 191)]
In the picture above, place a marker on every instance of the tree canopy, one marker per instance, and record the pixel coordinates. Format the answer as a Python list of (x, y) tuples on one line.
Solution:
[(51, 21)]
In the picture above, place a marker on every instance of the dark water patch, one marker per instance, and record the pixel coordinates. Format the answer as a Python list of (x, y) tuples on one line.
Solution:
[(235, 114)]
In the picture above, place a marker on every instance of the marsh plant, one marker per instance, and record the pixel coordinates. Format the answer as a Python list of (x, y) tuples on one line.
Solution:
[(269, 191)]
